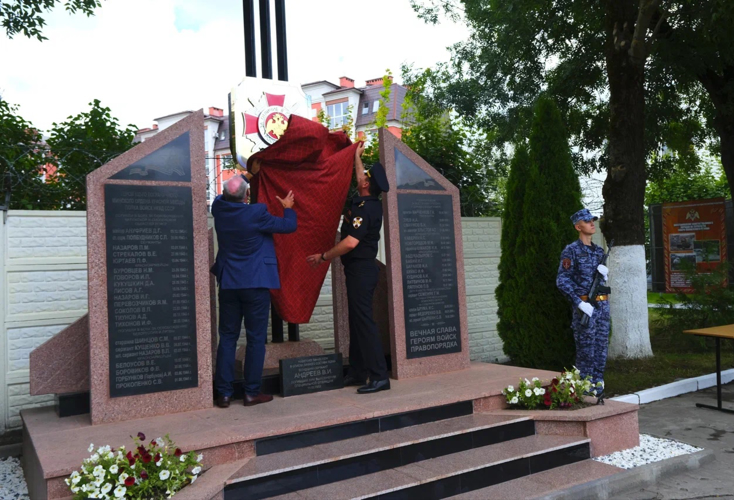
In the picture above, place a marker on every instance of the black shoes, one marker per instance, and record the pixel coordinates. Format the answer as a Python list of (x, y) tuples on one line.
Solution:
[(223, 401), (256, 400), (375, 386), (352, 380)]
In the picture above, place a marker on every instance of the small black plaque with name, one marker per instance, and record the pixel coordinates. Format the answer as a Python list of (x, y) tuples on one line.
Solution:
[(150, 289), (311, 374), (430, 285)]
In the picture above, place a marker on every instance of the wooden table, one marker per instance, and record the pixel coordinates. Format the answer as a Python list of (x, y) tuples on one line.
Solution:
[(717, 332)]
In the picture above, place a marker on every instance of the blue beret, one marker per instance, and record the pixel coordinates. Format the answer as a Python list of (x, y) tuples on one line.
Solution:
[(584, 215)]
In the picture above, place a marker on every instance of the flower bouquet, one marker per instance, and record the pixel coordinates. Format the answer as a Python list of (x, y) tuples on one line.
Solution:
[(156, 471), (565, 391)]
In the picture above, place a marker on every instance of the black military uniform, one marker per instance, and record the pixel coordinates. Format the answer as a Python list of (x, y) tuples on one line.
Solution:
[(363, 222)]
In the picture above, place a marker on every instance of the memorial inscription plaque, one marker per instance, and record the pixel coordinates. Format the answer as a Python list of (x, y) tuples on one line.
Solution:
[(150, 289), (311, 374), (430, 287)]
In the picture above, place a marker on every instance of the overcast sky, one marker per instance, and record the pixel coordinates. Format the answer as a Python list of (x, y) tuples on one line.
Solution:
[(150, 58)]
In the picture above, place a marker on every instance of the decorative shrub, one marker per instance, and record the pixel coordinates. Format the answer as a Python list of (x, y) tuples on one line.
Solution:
[(156, 471)]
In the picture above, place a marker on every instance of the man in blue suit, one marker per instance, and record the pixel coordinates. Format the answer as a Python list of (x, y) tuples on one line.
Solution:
[(246, 270)]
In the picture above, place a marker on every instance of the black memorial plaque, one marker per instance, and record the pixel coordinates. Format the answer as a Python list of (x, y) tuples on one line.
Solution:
[(311, 374), (150, 289), (430, 285)]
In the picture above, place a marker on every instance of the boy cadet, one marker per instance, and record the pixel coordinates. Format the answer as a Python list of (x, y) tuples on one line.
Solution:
[(579, 262), (360, 234)]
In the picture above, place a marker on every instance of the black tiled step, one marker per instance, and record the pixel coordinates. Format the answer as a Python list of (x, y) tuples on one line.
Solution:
[(457, 473), (281, 473), (333, 433)]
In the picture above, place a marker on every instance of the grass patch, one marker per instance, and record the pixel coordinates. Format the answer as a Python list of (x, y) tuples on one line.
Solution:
[(625, 376), (662, 298)]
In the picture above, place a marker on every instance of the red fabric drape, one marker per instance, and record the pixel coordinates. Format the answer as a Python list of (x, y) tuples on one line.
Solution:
[(317, 166)]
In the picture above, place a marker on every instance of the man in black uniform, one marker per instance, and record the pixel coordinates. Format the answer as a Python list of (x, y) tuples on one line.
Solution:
[(360, 234)]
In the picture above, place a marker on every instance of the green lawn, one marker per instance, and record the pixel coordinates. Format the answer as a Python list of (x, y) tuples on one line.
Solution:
[(661, 298)]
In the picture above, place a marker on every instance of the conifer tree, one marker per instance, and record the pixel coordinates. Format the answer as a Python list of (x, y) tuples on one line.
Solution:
[(508, 326), (552, 194)]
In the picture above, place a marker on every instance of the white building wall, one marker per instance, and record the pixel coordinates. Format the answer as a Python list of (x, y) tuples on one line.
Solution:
[(44, 289)]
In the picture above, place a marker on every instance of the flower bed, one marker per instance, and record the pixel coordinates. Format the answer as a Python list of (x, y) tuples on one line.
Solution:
[(565, 392), (156, 471)]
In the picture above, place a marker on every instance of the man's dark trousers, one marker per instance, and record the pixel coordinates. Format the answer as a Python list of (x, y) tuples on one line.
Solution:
[(252, 304), (365, 349)]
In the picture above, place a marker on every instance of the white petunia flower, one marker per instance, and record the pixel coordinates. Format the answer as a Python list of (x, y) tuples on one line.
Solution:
[(164, 474), (101, 450), (121, 479), (196, 470), (75, 480), (513, 401), (74, 474), (98, 471), (160, 442), (593, 393), (509, 389), (535, 378), (201, 457), (75, 489), (159, 462), (537, 391), (98, 482), (91, 447), (106, 488), (67, 481), (527, 382), (114, 468), (95, 458), (528, 393), (120, 491), (182, 458), (542, 391), (570, 388), (110, 455), (193, 478)]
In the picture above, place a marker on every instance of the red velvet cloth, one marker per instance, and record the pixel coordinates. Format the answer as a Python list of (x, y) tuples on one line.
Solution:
[(317, 166)]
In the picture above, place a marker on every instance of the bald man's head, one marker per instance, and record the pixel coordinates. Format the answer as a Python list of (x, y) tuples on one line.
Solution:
[(235, 189)]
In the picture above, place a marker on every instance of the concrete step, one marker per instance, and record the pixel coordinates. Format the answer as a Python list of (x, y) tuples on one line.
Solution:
[(455, 473), (279, 473), (541, 485)]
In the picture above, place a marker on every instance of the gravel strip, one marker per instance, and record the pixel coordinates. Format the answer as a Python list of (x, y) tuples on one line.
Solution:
[(651, 449), (12, 481)]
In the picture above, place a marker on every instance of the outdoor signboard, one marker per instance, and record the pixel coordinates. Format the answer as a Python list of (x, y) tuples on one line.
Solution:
[(694, 238)]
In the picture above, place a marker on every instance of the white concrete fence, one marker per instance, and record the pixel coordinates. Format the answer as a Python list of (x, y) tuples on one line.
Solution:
[(43, 281)]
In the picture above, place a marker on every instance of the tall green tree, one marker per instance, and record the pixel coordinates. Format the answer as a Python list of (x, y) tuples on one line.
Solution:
[(456, 150), (681, 185), (22, 161), (83, 143), (26, 16), (552, 194), (591, 56), (509, 326)]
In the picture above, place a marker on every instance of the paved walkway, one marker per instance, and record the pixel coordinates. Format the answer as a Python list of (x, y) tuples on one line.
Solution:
[(679, 419)]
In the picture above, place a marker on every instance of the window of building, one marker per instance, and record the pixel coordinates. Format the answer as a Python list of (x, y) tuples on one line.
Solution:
[(375, 106), (338, 114), (366, 108)]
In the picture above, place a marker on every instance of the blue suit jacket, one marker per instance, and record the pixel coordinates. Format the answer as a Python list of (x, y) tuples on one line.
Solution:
[(246, 257)]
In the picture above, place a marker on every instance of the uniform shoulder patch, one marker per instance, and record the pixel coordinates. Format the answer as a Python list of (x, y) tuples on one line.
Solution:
[(566, 263), (356, 222)]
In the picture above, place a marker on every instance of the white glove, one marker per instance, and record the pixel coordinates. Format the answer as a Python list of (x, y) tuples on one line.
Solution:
[(586, 308), (603, 270)]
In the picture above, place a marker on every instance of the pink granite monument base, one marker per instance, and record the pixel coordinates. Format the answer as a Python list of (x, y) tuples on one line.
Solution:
[(54, 447), (104, 407), (610, 427), (61, 364), (427, 181)]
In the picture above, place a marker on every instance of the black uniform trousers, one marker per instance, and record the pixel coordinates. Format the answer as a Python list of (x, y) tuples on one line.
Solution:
[(366, 358)]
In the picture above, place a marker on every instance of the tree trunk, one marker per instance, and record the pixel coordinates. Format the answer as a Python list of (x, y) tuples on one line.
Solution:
[(724, 125), (624, 187)]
